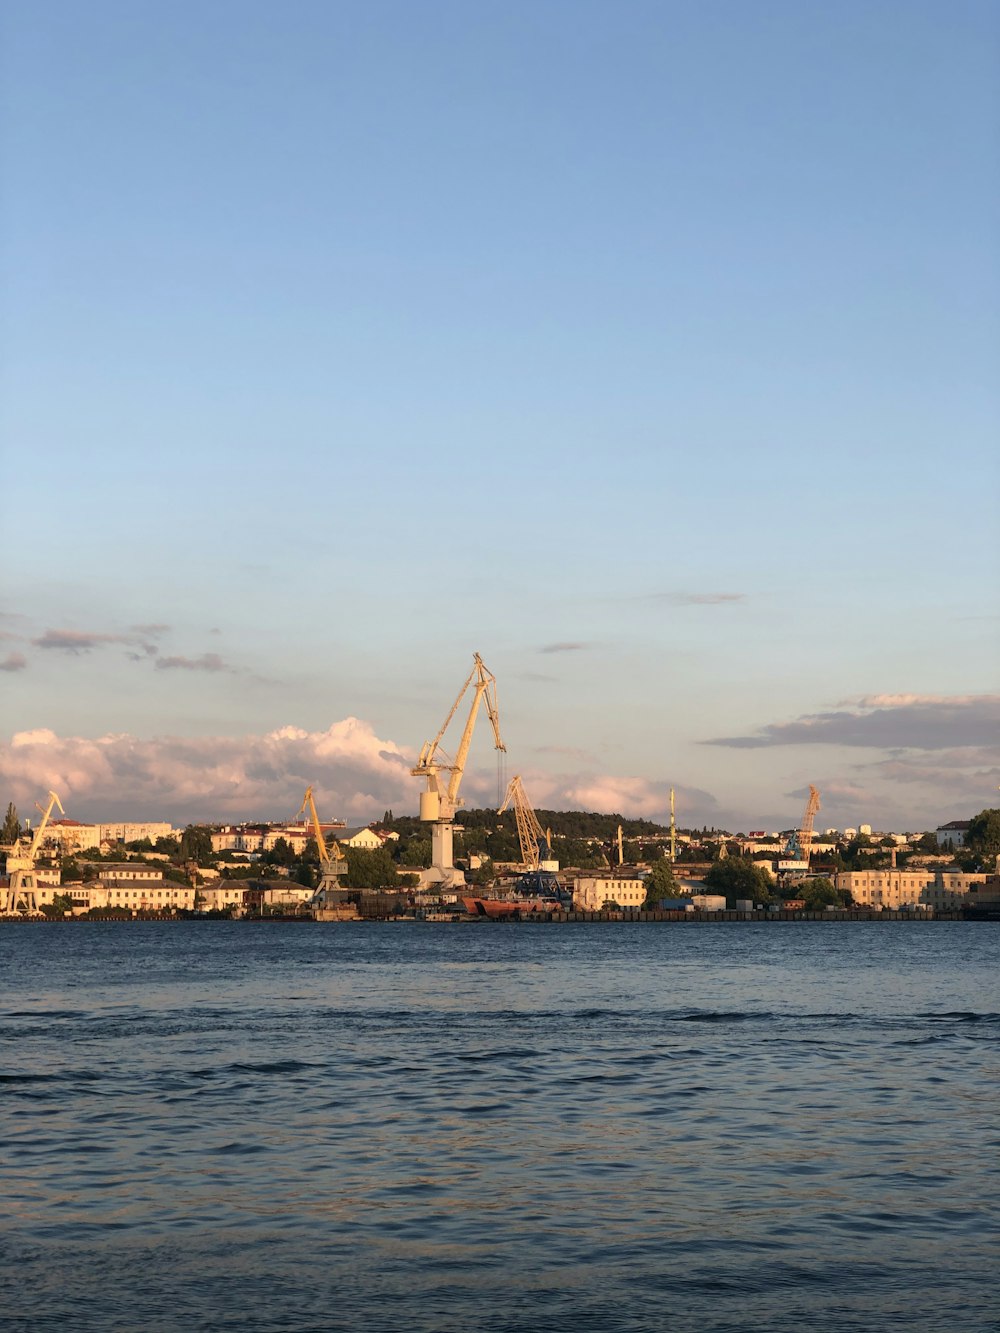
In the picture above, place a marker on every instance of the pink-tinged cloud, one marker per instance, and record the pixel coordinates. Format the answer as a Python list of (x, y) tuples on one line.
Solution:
[(14, 662), (210, 662), (355, 775)]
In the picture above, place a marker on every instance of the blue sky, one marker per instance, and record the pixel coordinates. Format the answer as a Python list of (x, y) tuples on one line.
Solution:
[(648, 349)]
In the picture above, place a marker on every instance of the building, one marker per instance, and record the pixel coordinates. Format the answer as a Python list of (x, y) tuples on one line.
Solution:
[(127, 896), (892, 889), (136, 832), (129, 872), (953, 834), (591, 892), (68, 836), (366, 838)]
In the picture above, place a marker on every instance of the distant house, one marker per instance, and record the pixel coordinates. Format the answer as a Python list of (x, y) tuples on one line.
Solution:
[(953, 834), (359, 837)]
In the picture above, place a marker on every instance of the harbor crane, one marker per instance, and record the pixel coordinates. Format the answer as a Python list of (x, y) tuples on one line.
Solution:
[(799, 845), (440, 799), (332, 861), (22, 892), (536, 846)]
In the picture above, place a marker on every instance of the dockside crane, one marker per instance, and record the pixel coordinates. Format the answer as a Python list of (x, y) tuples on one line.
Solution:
[(440, 799), (332, 861), (22, 891), (536, 846), (799, 845)]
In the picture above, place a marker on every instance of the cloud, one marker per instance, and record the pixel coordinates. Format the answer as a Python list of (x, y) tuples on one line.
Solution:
[(633, 797), (565, 648), (354, 773), (14, 662), (904, 722), (696, 598), (78, 641), (207, 662), (151, 631)]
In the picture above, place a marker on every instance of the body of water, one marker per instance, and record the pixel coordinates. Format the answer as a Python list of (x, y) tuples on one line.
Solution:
[(413, 1128)]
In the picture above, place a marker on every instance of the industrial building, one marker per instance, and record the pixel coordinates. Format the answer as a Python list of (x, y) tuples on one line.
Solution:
[(893, 889)]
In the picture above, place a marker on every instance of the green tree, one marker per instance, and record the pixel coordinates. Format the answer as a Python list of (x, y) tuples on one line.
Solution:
[(369, 869), (196, 844), (660, 883), (737, 878), (60, 904), (417, 852), (281, 854), (820, 893), (11, 830), (982, 840), (485, 875)]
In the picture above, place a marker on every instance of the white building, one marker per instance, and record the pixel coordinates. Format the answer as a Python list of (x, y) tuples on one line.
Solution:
[(907, 887), (591, 892), (953, 834)]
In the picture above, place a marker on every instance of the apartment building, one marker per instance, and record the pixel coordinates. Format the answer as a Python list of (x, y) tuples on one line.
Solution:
[(893, 889)]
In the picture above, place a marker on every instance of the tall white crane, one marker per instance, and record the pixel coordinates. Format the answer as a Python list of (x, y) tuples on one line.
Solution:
[(440, 800), (22, 892)]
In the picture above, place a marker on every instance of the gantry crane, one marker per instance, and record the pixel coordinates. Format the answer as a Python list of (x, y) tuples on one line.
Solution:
[(799, 845), (438, 802), (536, 846), (332, 862), (22, 892)]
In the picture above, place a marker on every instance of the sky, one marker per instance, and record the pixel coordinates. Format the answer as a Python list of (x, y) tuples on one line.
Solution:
[(648, 349)]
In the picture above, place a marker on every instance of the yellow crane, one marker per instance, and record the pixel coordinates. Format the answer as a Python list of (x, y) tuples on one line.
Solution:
[(332, 862), (438, 802), (535, 847), (22, 892), (799, 845)]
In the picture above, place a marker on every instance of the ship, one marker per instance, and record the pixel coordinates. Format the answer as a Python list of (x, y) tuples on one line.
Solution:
[(510, 909)]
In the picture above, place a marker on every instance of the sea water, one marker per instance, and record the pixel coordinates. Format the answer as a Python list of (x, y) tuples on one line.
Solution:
[(520, 1128)]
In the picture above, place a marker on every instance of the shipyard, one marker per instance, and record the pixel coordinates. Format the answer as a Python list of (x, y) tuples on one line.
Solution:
[(455, 865)]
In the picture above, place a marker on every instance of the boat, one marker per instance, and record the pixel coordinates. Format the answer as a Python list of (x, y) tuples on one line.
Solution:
[(510, 909)]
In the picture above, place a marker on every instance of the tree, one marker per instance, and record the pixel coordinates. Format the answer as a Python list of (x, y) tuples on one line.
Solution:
[(11, 830), (196, 844), (60, 904), (281, 854), (737, 878), (983, 838), (820, 893), (660, 883), (416, 853), (369, 869)]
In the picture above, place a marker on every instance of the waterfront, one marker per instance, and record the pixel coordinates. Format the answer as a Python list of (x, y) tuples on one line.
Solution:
[(417, 1127)]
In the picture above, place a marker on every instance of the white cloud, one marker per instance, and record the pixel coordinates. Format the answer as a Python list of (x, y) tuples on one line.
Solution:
[(355, 774), (213, 778)]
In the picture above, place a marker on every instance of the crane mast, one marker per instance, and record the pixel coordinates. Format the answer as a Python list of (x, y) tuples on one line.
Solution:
[(438, 802), (22, 892), (332, 863), (535, 846), (799, 845)]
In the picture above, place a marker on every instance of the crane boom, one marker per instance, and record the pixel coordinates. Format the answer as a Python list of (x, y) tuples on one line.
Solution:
[(529, 831), (438, 804), (806, 830), (323, 851), (22, 891), (43, 824)]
